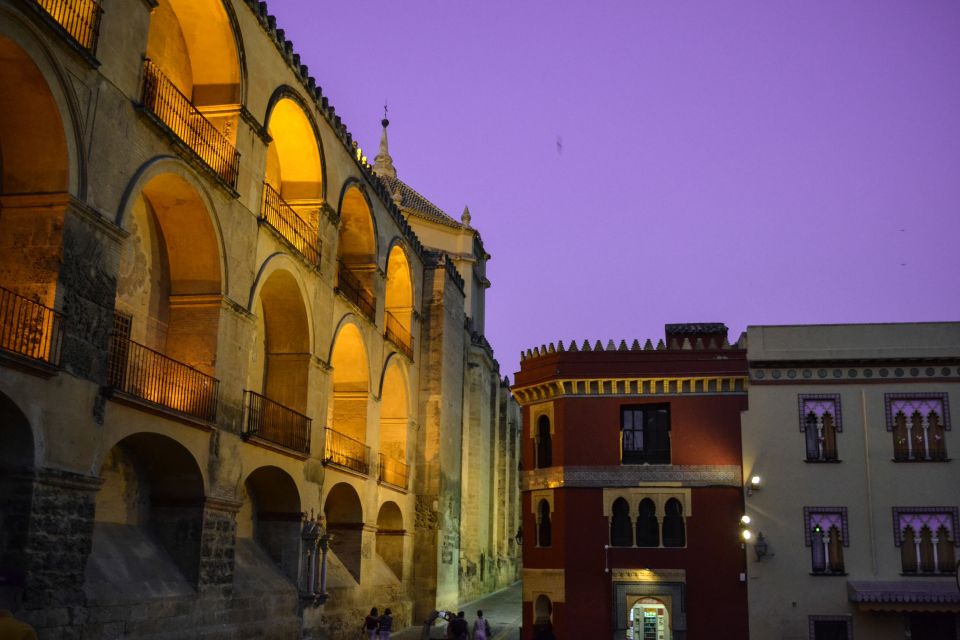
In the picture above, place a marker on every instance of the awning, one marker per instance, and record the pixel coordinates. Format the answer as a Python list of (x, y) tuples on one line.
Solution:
[(905, 595)]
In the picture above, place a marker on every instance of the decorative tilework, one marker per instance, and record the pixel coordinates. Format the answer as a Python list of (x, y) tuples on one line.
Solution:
[(909, 403), (825, 517), (633, 476), (819, 404), (932, 517)]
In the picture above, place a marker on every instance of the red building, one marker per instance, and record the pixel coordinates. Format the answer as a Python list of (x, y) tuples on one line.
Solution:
[(632, 490)]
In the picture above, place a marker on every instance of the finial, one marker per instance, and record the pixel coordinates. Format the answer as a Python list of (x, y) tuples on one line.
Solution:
[(465, 216), (383, 163)]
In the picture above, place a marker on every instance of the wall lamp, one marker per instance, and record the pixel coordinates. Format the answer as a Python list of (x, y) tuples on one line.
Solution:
[(761, 548), (753, 484)]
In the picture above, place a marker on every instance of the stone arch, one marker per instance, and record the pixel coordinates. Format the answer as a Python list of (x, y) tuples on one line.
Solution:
[(344, 513), (357, 245), (17, 461), (399, 296), (394, 423), (390, 537), (270, 516), (280, 362), (621, 531), (297, 172), (347, 410), (542, 610), (149, 512)]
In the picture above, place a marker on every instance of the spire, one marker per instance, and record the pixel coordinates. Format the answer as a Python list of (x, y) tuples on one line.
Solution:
[(465, 217), (383, 163)]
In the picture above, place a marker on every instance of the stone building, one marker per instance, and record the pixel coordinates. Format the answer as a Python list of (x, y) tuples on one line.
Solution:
[(855, 513), (632, 493), (244, 386)]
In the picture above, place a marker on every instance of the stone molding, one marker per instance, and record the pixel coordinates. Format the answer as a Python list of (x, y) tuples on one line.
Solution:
[(853, 373), (68, 479), (631, 387), (632, 476), (547, 582)]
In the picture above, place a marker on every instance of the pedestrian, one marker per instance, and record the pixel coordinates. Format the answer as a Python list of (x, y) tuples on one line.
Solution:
[(370, 624), (386, 624), (458, 629), (481, 627)]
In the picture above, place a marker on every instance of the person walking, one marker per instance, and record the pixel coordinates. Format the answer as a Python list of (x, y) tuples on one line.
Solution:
[(386, 624), (481, 627), (458, 629), (370, 624)]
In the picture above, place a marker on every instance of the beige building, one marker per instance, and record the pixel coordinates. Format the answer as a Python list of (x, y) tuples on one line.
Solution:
[(855, 509), (244, 388)]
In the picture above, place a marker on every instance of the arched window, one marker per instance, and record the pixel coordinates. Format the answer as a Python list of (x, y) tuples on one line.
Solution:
[(543, 524), (648, 528), (834, 550), (820, 424), (927, 564), (926, 537), (919, 423), (674, 534), (818, 554), (544, 453), (945, 551), (621, 533), (826, 537), (908, 551)]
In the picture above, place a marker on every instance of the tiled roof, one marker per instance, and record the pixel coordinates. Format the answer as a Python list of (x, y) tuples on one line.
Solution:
[(412, 200), (904, 592)]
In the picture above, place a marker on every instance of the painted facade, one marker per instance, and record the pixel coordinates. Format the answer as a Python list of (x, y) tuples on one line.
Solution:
[(632, 489), (849, 431), (236, 377)]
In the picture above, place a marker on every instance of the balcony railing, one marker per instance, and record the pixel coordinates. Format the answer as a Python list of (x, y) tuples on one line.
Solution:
[(349, 285), (167, 102), (29, 328), (79, 18), (273, 422), (344, 451), (393, 472), (146, 374), (398, 335), (281, 217)]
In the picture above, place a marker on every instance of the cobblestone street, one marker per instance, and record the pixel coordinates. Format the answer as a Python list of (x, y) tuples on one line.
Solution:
[(502, 609)]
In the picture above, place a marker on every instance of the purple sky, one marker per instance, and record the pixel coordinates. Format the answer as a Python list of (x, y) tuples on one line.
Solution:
[(746, 162)]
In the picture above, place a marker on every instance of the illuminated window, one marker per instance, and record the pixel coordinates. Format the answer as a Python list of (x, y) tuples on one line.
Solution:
[(544, 444), (927, 539), (645, 434), (820, 423), (919, 423), (826, 534)]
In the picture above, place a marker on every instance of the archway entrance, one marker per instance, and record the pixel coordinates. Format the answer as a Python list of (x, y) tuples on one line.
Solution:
[(346, 436), (270, 516), (649, 620), (390, 536), (344, 515), (16, 486)]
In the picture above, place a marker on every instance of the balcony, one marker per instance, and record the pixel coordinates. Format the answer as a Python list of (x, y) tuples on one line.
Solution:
[(343, 451), (162, 98), (145, 374), (30, 329), (393, 472), (275, 423), (281, 217), (79, 18), (349, 286), (398, 335)]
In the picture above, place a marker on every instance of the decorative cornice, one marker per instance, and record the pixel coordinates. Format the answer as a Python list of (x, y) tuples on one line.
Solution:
[(854, 372), (632, 387), (631, 476)]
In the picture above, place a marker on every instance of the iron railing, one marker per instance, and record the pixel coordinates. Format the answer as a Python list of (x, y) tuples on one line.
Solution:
[(168, 103), (344, 451), (281, 217), (398, 335), (149, 375), (349, 285), (29, 328), (393, 472), (79, 18), (275, 423)]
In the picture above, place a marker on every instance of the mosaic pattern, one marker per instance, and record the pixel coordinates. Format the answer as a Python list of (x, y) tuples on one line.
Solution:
[(820, 404), (931, 517), (632, 476), (825, 517)]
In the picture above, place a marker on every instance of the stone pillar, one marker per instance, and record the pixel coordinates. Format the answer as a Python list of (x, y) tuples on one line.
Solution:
[(218, 540)]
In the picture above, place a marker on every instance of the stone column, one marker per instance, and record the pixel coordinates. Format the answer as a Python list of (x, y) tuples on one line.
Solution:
[(218, 540)]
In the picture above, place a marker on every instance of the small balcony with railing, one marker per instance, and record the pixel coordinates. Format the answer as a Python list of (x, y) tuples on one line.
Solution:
[(79, 18), (142, 374), (347, 453), (176, 112), (350, 287), (275, 424), (284, 220), (399, 335), (393, 472), (29, 329)]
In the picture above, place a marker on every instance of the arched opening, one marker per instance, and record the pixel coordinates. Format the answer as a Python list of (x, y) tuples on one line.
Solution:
[(346, 435), (167, 320), (542, 611), (621, 531), (544, 529), (293, 181), (393, 426), (192, 78), (16, 487), (649, 618), (398, 302), (357, 252), (344, 515), (148, 521), (390, 537), (544, 444), (270, 518), (279, 369), (674, 532), (34, 181), (648, 528)]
